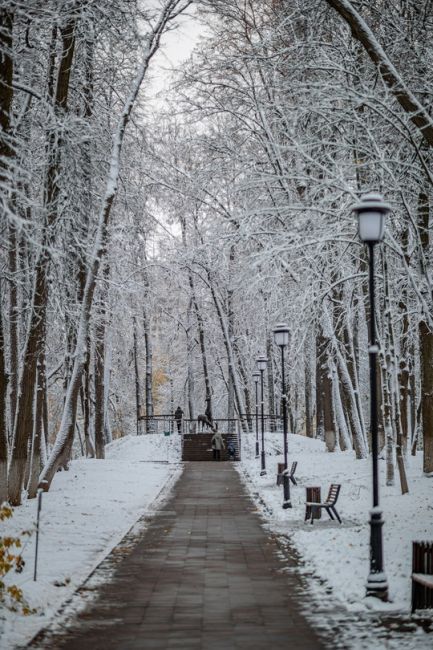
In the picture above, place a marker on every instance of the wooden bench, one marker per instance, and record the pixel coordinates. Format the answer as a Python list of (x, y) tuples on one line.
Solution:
[(328, 505), (422, 575), (291, 473)]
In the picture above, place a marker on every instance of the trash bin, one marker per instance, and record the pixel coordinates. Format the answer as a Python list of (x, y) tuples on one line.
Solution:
[(313, 495)]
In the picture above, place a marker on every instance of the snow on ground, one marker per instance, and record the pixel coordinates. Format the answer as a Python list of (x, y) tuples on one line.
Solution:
[(84, 515), (339, 555)]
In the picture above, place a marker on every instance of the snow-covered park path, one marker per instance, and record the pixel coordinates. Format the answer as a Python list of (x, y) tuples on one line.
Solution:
[(203, 576), (86, 513)]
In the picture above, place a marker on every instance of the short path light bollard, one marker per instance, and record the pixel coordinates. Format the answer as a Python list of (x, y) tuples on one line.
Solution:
[(167, 445), (37, 534)]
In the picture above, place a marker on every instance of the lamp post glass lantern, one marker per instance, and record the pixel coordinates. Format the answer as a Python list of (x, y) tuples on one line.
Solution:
[(256, 377), (281, 338), (371, 212), (262, 363)]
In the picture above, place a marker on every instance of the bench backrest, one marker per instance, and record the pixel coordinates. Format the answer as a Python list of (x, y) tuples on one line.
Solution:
[(422, 557), (333, 493)]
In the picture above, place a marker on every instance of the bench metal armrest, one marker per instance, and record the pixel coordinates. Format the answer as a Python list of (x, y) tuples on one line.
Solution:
[(423, 579)]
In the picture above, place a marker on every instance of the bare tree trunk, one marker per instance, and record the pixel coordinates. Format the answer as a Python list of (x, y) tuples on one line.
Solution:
[(328, 408), (13, 324), (271, 381), (100, 361), (202, 343), (353, 373), (99, 395), (404, 364), (394, 381), (6, 153), (387, 419), (108, 433), (230, 332), (3, 420), (149, 368), (340, 419), (189, 362), (321, 344), (35, 463), (426, 340), (137, 378), (87, 93), (426, 362), (229, 350), (85, 401), (348, 397), (413, 400), (309, 408), (243, 375), (24, 416)]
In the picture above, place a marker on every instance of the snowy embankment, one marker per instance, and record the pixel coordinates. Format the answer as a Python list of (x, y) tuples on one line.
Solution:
[(339, 555), (85, 514)]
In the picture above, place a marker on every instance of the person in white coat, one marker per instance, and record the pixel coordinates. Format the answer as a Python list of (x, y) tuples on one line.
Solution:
[(217, 444)]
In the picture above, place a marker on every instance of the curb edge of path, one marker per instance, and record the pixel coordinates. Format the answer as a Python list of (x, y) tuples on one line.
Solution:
[(152, 509)]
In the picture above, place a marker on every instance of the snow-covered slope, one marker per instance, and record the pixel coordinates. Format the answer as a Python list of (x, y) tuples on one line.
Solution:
[(340, 554), (84, 515)]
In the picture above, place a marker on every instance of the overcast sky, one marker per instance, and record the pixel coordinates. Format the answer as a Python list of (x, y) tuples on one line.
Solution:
[(177, 46)]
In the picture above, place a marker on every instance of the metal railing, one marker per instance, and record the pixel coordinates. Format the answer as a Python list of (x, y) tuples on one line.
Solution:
[(225, 425), (271, 422), (157, 423)]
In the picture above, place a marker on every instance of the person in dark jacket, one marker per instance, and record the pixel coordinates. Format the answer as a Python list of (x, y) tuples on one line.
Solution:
[(178, 414)]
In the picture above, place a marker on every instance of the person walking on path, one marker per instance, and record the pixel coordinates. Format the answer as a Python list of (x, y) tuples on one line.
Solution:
[(217, 444), (178, 414)]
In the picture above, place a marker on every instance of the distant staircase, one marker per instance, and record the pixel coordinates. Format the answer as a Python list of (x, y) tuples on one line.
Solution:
[(197, 446)]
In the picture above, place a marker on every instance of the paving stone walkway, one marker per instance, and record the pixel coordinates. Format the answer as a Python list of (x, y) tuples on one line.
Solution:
[(205, 575)]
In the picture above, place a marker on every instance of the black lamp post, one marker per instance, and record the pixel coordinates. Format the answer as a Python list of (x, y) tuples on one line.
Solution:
[(371, 211), (256, 377), (281, 338), (262, 362)]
